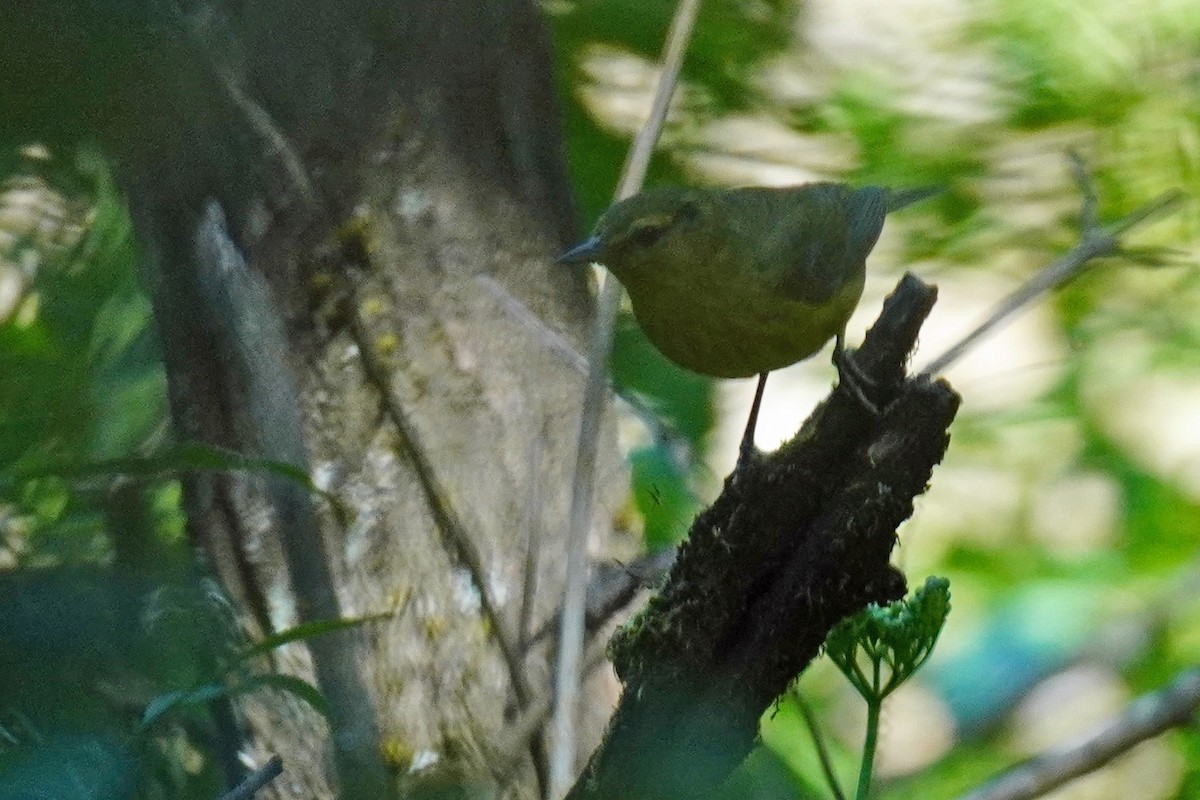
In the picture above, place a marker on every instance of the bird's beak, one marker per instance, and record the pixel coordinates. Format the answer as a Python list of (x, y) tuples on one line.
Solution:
[(583, 253)]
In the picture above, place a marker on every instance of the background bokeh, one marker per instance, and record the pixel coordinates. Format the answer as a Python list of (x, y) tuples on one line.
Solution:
[(1065, 513)]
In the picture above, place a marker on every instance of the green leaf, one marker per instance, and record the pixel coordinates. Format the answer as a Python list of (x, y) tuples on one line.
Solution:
[(308, 630), (187, 457), (239, 683), (663, 496), (182, 698), (295, 686)]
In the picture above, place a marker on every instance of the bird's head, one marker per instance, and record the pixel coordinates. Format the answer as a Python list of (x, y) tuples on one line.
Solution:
[(656, 227)]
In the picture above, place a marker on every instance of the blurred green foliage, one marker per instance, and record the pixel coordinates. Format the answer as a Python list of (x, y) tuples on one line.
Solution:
[(986, 108), (84, 377), (102, 610), (114, 653)]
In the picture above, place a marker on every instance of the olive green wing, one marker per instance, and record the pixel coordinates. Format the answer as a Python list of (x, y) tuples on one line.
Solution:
[(822, 239)]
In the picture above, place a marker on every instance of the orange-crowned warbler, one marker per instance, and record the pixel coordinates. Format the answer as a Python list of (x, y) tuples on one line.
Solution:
[(738, 282)]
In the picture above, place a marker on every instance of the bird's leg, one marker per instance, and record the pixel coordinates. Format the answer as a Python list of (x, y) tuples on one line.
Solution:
[(851, 377), (747, 448)]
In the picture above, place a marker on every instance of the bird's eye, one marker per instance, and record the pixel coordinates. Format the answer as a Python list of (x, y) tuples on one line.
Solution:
[(647, 235)]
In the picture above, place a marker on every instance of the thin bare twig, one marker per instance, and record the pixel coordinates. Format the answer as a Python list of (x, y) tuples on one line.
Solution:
[(1145, 718), (531, 719), (533, 539), (1097, 241), (256, 780), (276, 143), (570, 650), (814, 730)]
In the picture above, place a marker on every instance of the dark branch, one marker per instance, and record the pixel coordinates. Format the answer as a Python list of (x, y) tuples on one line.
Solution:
[(798, 539)]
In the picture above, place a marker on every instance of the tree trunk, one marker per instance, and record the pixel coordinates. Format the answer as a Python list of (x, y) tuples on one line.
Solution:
[(343, 207)]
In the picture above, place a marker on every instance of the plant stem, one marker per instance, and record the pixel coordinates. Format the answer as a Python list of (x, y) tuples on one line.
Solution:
[(810, 720), (868, 756), (874, 704)]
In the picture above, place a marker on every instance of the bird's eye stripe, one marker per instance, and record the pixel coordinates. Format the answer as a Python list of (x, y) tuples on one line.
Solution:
[(647, 235)]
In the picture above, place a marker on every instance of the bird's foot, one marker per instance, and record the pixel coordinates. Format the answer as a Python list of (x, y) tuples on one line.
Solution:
[(746, 452), (854, 380)]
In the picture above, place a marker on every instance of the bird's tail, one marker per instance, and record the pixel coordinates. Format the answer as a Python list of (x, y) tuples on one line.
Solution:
[(898, 199)]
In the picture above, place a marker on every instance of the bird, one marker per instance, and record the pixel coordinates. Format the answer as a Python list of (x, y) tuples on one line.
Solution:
[(733, 283)]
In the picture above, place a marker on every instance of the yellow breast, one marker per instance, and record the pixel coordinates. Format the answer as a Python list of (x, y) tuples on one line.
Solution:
[(737, 328)]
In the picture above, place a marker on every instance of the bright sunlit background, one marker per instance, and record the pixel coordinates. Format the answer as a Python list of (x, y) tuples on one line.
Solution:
[(1067, 511)]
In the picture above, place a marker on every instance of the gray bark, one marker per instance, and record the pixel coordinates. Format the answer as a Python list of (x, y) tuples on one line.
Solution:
[(390, 177)]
